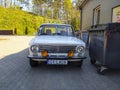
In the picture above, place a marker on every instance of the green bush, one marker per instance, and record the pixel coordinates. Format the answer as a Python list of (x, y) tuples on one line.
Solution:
[(75, 22), (21, 22), (18, 20)]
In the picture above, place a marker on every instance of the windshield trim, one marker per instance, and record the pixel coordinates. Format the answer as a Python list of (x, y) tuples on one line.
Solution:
[(57, 31)]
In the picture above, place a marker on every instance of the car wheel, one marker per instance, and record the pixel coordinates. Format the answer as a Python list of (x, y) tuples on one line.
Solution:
[(33, 63), (92, 61)]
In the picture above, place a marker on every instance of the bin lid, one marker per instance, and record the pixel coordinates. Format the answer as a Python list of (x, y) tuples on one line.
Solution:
[(108, 26)]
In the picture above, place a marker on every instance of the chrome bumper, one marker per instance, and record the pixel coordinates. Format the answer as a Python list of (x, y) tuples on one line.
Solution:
[(38, 58)]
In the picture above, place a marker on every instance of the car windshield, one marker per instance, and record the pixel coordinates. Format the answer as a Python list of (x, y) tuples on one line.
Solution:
[(61, 30)]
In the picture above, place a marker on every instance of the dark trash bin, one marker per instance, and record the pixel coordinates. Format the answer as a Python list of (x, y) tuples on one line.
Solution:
[(104, 46)]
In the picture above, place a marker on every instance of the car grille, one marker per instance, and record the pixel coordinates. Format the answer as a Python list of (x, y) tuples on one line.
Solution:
[(57, 49)]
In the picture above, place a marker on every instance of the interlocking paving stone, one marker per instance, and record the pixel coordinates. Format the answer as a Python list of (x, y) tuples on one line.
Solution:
[(16, 74)]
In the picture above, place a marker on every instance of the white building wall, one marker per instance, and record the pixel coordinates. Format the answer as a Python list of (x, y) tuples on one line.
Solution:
[(105, 14)]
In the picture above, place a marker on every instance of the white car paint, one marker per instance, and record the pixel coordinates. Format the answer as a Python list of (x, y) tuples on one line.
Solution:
[(56, 40)]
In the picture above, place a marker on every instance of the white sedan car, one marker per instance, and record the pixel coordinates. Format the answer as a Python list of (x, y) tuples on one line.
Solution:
[(56, 44)]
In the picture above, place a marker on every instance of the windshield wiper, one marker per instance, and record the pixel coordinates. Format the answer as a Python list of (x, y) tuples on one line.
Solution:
[(43, 34)]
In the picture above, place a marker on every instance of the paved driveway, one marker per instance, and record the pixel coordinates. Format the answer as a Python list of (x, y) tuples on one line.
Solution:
[(16, 74)]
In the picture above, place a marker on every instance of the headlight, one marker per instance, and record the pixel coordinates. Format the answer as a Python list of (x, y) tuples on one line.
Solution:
[(35, 48), (44, 53), (80, 49), (70, 54)]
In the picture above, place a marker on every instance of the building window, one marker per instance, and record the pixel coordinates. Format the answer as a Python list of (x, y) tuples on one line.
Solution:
[(96, 15), (116, 14)]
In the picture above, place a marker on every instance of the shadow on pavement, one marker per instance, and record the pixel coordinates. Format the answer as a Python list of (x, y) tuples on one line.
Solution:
[(16, 74), (20, 60)]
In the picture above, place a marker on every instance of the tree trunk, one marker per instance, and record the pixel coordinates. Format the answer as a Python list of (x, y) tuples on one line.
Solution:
[(5, 3)]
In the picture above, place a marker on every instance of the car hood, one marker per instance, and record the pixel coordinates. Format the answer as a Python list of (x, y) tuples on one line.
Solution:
[(56, 40)]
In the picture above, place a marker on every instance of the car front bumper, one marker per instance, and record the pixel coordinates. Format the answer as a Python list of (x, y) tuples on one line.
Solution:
[(39, 58)]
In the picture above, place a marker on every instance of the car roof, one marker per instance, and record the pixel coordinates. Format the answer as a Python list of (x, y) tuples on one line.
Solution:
[(55, 24)]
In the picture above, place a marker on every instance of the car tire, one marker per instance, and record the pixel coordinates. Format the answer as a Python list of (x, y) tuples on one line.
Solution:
[(33, 63), (92, 61)]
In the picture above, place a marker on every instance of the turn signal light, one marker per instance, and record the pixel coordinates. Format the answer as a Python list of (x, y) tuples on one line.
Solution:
[(70, 54), (44, 53)]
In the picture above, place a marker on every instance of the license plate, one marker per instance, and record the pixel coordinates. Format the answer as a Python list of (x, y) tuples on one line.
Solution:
[(57, 62)]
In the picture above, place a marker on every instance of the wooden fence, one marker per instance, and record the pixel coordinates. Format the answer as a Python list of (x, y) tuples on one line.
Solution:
[(6, 32)]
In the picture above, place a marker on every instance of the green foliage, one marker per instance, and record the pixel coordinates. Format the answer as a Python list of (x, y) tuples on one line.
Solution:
[(67, 5), (75, 23), (59, 9), (75, 18), (24, 23), (20, 21)]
